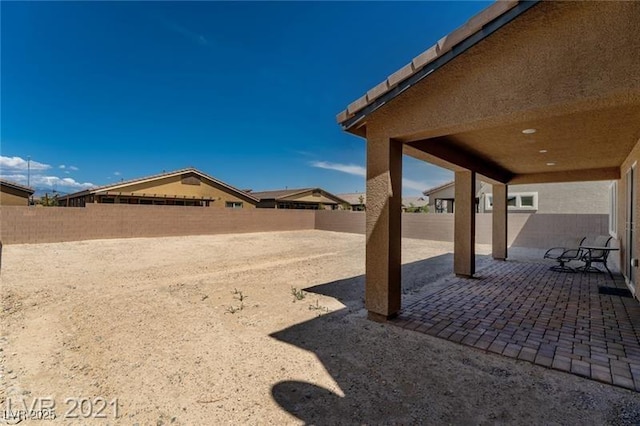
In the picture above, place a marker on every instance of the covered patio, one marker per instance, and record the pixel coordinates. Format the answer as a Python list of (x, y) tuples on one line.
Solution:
[(524, 92)]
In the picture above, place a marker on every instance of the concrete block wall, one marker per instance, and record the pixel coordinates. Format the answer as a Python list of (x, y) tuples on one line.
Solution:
[(19, 224), (96, 221), (525, 230)]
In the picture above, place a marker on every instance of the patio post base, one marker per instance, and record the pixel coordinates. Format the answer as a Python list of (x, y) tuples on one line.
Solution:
[(376, 317), (464, 275)]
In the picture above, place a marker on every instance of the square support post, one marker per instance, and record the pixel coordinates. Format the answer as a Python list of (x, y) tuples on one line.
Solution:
[(464, 258), (499, 222), (383, 288)]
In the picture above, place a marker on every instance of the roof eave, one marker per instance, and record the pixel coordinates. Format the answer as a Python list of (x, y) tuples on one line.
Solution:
[(353, 121)]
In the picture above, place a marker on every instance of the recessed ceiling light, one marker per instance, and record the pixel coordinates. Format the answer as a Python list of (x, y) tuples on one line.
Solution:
[(529, 131), (551, 163), (542, 151)]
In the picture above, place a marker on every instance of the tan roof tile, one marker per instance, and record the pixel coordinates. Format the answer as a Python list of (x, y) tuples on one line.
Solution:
[(401, 74), (342, 116), (491, 12), (377, 91), (447, 42), (357, 105), (425, 57)]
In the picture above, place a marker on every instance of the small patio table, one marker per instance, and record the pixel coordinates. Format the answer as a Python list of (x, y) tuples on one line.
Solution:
[(588, 258)]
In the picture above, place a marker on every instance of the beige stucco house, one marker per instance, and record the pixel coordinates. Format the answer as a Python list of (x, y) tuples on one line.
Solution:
[(186, 187), (14, 194), (545, 198), (358, 202), (522, 93), (301, 198)]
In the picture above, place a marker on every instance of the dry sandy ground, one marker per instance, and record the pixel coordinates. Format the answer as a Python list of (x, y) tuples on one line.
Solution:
[(149, 322)]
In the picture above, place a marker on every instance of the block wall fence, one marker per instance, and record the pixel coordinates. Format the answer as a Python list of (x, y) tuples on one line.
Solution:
[(19, 225)]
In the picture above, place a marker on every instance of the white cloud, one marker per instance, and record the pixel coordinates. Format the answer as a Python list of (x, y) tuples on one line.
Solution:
[(18, 163), (117, 173), (414, 184), (15, 169), (351, 169), (58, 182), (74, 168)]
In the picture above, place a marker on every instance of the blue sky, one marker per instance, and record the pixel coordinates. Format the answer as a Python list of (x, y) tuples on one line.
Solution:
[(247, 92)]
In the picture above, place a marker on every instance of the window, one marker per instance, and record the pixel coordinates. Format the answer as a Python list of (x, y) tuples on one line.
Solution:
[(613, 209), (526, 201), (517, 201), (233, 204)]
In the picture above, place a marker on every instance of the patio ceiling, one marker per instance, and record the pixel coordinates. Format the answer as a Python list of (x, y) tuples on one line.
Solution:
[(585, 146), (568, 70)]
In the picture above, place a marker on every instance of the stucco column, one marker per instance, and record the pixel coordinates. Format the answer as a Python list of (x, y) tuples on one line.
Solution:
[(384, 225), (499, 225), (464, 258)]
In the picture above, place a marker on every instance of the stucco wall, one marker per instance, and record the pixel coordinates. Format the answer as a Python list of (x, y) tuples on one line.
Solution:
[(9, 197), (622, 207), (565, 198)]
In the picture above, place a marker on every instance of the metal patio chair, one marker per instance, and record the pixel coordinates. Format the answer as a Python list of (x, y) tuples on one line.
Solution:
[(593, 255), (570, 251)]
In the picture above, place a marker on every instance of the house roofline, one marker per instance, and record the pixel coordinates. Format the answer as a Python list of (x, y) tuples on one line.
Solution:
[(111, 187), (476, 29), (17, 186)]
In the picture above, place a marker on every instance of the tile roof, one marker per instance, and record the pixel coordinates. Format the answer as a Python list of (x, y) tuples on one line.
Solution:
[(17, 186), (284, 193), (430, 56), (279, 193), (438, 188), (159, 176), (354, 199)]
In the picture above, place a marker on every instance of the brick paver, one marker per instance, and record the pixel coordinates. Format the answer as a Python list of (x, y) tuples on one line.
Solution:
[(527, 312)]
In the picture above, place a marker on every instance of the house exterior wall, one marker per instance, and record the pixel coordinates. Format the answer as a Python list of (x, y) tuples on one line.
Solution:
[(13, 197), (621, 214), (446, 193), (567, 197)]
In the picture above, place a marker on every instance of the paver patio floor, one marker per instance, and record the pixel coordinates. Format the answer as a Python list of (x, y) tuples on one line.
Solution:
[(525, 311)]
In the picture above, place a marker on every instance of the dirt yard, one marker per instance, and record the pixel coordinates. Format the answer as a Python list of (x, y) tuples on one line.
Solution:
[(206, 330)]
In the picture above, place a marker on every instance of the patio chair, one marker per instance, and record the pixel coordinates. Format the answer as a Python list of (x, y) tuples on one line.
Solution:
[(568, 252), (591, 256)]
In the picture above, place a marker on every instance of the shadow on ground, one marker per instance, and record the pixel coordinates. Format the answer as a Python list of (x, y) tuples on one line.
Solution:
[(390, 375)]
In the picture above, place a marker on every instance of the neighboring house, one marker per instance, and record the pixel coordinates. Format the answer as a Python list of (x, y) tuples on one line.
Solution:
[(14, 194), (442, 198), (186, 187), (415, 204), (358, 201), (566, 197), (303, 198)]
